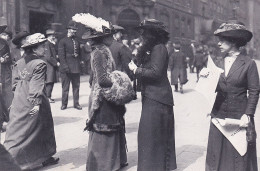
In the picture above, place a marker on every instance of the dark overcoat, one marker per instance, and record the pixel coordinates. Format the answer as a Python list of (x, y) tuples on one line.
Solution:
[(156, 140), (6, 77), (178, 66), (69, 62), (237, 94), (122, 56), (51, 60)]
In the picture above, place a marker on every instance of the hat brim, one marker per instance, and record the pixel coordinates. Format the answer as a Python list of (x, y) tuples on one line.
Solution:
[(74, 28), (33, 44), (2, 28), (92, 36), (17, 39), (151, 27), (245, 35)]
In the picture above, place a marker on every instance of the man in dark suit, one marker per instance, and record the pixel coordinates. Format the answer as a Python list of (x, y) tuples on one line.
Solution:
[(70, 59), (52, 62), (121, 54)]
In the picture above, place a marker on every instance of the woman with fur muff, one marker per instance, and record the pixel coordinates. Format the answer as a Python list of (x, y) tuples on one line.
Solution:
[(237, 97), (156, 139), (106, 124)]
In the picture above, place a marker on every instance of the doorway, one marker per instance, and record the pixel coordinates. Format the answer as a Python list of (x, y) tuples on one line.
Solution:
[(39, 22)]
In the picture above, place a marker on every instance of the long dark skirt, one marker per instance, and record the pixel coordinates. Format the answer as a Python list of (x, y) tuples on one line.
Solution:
[(156, 139), (179, 74), (222, 156)]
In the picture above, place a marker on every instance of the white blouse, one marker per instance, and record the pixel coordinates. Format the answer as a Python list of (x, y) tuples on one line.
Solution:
[(229, 60)]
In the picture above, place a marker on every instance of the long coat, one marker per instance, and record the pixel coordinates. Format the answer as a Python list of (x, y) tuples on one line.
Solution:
[(156, 139), (232, 101), (5, 78), (178, 67), (107, 143), (30, 139), (69, 55), (51, 60)]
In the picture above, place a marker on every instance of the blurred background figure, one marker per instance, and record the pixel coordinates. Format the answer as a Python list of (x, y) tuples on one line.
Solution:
[(178, 67), (18, 40), (200, 60), (5, 76), (51, 61)]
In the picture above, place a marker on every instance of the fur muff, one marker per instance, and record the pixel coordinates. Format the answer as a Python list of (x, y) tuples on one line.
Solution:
[(122, 91)]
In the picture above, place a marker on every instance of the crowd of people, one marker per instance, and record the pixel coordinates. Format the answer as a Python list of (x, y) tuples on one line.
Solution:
[(119, 69)]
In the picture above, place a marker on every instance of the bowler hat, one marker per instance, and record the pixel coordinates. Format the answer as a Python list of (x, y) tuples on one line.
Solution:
[(152, 24), (50, 32), (2, 28), (34, 39), (19, 36), (72, 25), (234, 29)]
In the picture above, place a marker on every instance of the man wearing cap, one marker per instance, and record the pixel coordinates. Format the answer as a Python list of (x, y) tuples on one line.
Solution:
[(18, 40), (5, 77), (121, 54), (52, 62), (70, 59)]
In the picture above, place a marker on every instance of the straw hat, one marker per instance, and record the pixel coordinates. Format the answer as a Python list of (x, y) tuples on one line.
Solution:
[(34, 39)]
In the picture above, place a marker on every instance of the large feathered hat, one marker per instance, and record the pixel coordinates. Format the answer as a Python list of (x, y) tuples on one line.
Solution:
[(97, 27), (234, 29)]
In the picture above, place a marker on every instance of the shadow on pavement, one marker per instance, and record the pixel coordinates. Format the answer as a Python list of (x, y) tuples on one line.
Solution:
[(187, 155), (58, 120)]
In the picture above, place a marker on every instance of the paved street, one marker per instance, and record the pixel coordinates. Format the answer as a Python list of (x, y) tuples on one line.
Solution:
[(191, 128)]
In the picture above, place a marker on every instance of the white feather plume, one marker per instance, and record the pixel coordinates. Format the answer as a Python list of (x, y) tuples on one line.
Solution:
[(91, 21)]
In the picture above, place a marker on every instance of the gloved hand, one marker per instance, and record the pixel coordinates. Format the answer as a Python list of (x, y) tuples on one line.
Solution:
[(244, 121), (132, 66)]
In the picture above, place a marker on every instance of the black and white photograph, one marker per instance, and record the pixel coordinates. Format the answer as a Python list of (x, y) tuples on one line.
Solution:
[(129, 85)]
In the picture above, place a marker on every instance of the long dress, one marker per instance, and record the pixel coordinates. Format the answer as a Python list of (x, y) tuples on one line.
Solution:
[(30, 139), (156, 137), (232, 102), (107, 143)]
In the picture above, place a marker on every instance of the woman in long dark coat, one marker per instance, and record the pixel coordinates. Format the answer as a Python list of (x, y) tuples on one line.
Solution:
[(156, 140), (240, 78), (30, 132), (178, 67), (107, 143)]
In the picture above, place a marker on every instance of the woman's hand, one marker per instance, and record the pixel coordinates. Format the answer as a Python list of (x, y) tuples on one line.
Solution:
[(204, 72), (244, 121), (34, 111), (132, 66)]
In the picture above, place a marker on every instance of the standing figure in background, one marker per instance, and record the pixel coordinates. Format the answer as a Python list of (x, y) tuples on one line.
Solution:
[(30, 135), (121, 54), (178, 67), (5, 77), (200, 60), (156, 136), (52, 62), (237, 98), (70, 59), (18, 40)]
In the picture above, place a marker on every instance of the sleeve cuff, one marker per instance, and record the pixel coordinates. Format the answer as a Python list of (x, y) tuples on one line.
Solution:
[(35, 101)]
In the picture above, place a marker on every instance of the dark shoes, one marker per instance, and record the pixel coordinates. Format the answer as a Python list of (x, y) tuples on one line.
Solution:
[(50, 161), (63, 107), (78, 107)]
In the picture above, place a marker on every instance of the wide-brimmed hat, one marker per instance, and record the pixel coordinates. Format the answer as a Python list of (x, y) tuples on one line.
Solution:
[(72, 25), (19, 36), (34, 39), (152, 24), (91, 33), (235, 30), (2, 28), (118, 28)]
